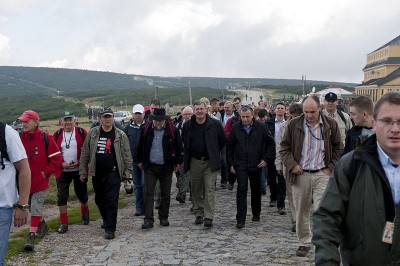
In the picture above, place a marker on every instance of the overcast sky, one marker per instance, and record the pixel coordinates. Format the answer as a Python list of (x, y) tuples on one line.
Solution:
[(325, 40)]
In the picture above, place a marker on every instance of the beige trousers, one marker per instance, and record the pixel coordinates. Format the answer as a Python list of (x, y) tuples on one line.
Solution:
[(308, 189)]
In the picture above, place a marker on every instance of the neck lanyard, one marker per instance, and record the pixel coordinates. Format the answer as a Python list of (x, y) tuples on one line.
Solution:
[(67, 145)]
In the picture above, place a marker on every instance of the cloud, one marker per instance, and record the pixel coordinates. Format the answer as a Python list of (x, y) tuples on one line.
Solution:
[(4, 47), (57, 63)]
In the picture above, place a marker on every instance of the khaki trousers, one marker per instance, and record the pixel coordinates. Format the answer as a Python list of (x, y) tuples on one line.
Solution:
[(203, 188), (308, 189)]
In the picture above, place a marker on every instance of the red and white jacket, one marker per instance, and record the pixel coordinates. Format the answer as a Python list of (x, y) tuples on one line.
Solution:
[(41, 160)]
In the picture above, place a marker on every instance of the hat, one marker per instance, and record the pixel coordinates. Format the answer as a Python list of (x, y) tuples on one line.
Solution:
[(106, 111), (138, 108), (67, 114), (28, 115), (159, 114), (331, 96)]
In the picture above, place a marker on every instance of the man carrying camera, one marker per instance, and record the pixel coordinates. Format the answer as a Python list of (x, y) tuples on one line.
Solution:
[(70, 140)]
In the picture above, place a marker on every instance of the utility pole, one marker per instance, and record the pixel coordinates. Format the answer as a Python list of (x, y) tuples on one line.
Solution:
[(156, 94), (190, 94)]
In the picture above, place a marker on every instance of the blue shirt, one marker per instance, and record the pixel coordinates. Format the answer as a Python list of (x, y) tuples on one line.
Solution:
[(392, 174), (156, 152)]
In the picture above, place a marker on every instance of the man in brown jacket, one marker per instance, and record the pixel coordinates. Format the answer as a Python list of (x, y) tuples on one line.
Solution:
[(310, 149)]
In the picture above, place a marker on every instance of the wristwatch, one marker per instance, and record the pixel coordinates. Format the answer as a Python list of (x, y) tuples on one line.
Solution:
[(24, 207)]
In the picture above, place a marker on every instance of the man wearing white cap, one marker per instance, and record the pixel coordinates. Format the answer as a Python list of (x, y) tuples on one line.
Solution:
[(133, 131)]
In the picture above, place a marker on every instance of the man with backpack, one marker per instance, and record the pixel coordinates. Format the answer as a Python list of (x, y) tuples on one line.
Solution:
[(159, 154), (44, 159), (343, 119), (70, 140), (13, 160), (360, 209)]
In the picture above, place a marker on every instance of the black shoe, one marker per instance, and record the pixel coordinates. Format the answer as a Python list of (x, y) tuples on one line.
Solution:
[(30, 242), (255, 218), (147, 224), (42, 229), (239, 225), (85, 218), (294, 228), (281, 211), (103, 225), (164, 222), (109, 235), (208, 223), (230, 186), (62, 229), (199, 220), (302, 251), (180, 199)]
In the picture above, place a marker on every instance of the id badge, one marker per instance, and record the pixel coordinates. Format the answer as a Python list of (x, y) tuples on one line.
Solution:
[(388, 233)]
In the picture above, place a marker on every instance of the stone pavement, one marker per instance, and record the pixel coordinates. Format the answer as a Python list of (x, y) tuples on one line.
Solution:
[(268, 242)]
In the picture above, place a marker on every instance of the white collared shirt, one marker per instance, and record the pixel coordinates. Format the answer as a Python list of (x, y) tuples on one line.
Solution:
[(392, 174)]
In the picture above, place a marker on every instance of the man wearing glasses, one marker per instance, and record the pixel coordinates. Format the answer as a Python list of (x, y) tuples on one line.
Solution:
[(310, 149), (360, 209)]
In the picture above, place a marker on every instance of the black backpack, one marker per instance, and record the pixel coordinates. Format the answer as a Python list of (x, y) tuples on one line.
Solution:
[(3, 144)]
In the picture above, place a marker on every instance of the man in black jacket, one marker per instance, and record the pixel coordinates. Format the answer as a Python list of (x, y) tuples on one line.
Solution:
[(250, 147), (361, 111), (159, 154), (203, 139)]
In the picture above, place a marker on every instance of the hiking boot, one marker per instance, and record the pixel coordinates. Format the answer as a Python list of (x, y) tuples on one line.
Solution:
[(30, 242), (255, 218), (62, 229), (147, 224), (164, 222), (199, 220), (239, 225), (85, 218), (208, 223), (230, 186), (42, 229), (180, 199), (109, 235), (281, 211), (302, 251)]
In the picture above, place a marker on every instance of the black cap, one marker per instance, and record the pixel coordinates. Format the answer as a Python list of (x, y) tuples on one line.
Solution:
[(330, 96), (106, 111)]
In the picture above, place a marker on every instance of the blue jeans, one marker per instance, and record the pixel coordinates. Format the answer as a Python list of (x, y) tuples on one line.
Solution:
[(138, 185), (264, 174), (5, 226)]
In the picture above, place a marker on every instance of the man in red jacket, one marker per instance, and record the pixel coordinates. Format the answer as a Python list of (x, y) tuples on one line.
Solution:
[(44, 159), (70, 140)]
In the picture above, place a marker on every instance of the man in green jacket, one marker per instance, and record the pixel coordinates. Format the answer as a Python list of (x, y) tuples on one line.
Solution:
[(360, 208), (106, 154)]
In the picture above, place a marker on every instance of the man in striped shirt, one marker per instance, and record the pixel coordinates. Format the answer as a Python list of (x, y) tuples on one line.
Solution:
[(310, 149)]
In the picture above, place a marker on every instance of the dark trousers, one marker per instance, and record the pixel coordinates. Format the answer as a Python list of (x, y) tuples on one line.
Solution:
[(152, 173), (63, 184), (277, 186), (106, 187), (224, 166), (241, 194)]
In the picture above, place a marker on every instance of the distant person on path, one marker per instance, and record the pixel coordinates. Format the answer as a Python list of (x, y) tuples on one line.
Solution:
[(361, 111), (44, 159), (342, 118), (107, 156), (276, 181), (133, 131), (310, 149), (90, 113), (295, 110), (159, 154), (13, 160), (359, 212), (70, 140), (249, 148), (203, 139), (237, 104)]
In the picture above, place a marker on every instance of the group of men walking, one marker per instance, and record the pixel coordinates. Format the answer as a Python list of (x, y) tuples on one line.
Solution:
[(354, 198)]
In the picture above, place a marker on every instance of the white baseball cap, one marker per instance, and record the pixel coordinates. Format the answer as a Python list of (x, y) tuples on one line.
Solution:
[(138, 108)]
